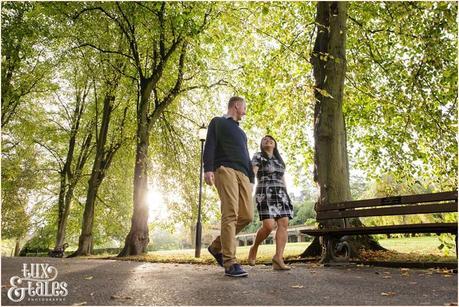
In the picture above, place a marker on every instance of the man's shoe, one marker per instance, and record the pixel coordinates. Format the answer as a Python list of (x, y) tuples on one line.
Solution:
[(218, 256), (236, 270)]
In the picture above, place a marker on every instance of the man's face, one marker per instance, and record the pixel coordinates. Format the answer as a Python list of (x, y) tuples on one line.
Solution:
[(240, 109)]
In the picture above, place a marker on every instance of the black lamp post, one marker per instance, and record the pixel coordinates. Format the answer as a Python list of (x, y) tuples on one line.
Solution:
[(202, 137)]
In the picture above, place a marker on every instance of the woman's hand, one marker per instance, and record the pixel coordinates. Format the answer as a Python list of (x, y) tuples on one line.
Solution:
[(209, 178)]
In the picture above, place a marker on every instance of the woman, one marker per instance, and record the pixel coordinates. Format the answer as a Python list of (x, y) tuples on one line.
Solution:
[(273, 204)]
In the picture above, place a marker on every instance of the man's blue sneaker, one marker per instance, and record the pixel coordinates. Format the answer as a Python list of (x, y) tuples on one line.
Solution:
[(236, 270), (217, 256)]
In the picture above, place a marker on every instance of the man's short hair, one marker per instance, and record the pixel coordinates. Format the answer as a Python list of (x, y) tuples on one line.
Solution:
[(232, 101)]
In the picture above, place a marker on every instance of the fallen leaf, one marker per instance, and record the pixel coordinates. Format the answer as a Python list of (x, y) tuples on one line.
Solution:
[(297, 286), (404, 270), (120, 297), (6, 286), (451, 304), (387, 293), (80, 304), (447, 275), (89, 277)]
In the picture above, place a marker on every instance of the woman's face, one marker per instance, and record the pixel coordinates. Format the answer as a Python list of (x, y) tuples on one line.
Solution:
[(267, 142)]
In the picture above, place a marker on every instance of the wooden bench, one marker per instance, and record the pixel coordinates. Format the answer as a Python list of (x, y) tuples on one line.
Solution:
[(333, 239)]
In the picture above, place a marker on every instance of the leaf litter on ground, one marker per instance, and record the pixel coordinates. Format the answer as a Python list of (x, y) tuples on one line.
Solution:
[(389, 293)]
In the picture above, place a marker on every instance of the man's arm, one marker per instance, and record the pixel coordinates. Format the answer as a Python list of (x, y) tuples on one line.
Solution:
[(209, 152)]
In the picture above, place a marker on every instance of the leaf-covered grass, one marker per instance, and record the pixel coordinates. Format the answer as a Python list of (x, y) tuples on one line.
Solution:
[(392, 256), (421, 249), (421, 245)]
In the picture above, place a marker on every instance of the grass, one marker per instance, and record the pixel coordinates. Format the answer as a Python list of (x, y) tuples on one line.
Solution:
[(421, 245), (400, 249)]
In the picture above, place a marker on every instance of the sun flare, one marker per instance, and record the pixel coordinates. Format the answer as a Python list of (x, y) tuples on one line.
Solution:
[(157, 209)]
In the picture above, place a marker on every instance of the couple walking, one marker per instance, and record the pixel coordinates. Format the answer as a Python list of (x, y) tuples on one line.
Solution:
[(228, 166)]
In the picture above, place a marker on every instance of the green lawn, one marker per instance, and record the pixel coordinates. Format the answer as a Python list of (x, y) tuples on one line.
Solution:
[(422, 246)]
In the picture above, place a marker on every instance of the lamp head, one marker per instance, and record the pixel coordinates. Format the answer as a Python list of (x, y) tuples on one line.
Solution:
[(202, 133)]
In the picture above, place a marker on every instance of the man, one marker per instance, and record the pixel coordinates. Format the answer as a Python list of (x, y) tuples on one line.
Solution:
[(227, 165)]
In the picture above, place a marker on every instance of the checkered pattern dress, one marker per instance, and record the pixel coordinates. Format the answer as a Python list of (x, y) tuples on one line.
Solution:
[(271, 195)]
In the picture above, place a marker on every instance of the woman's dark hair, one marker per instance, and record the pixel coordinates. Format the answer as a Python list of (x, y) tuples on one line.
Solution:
[(275, 151)]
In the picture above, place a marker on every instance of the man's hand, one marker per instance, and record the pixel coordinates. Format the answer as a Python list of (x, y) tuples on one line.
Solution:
[(209, 178)]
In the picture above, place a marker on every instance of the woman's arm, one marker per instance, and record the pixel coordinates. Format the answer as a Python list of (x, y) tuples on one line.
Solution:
[(255, 170), (285, 184)]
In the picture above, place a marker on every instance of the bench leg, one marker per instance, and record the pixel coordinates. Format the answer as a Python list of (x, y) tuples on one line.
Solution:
[(325, 242)]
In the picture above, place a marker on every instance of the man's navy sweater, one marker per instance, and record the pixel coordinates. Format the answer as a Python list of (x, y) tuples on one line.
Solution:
[(226, 144)]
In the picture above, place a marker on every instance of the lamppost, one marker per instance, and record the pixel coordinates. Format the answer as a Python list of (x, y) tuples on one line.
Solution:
[(202, 137)]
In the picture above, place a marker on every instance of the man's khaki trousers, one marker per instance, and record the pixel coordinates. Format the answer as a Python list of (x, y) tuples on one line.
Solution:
[(235, 191)]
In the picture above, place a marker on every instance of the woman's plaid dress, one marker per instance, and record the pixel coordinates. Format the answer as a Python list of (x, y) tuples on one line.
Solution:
[(271, 195)]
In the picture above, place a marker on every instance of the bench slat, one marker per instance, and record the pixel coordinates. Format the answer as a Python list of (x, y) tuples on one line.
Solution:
[(408, 228), (390, 201), (399, 210)]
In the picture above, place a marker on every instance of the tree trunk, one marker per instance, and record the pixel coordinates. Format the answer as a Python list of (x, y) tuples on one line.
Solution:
[(63, 217), (17, 248), (61, 209), (137, 240), (85, 240), (331, 166)]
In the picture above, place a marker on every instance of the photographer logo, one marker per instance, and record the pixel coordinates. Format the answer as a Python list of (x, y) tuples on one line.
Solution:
[(39, 283)]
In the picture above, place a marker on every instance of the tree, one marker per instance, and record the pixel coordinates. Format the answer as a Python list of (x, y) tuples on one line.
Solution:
[(331, 167), (170, 41), (79, 146), (102, 161)]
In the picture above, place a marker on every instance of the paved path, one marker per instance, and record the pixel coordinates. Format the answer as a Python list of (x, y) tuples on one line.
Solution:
[(111, 282)]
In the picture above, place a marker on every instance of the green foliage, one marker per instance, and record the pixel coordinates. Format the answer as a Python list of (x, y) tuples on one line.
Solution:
[(26, 64), (303, 213), (401, 93)]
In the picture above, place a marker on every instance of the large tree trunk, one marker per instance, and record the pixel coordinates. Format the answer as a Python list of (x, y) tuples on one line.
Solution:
[(85, 241), (331, 167), (137, 240)]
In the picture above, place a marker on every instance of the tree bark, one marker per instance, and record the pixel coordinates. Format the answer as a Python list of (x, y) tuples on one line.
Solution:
[(137, 240), (63, 217), (331, 166), (17, 248)]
